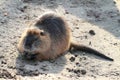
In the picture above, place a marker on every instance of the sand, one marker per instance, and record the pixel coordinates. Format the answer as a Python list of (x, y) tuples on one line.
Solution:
[(102, 17)]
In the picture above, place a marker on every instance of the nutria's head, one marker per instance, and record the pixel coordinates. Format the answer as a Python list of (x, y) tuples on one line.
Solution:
[(33, 42)]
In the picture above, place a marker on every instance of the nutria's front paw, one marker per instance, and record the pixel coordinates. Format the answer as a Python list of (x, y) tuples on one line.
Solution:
[(29, 56)]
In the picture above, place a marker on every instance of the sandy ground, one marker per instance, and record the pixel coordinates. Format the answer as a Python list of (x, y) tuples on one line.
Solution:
[(101, 16)]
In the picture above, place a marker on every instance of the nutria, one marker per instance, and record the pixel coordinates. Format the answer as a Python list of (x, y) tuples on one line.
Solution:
[(49, 37)]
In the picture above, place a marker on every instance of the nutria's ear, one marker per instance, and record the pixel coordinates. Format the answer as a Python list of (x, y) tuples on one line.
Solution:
[(42, 33)]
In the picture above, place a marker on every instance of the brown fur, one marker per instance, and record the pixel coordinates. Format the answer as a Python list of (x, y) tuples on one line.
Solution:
[(48, 38), (53, 44)]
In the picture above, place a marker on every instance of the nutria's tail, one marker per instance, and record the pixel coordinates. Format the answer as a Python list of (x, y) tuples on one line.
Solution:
[(89, 50)]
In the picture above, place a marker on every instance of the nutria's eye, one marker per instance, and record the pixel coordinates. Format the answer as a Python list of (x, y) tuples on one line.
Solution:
[(42, 33)]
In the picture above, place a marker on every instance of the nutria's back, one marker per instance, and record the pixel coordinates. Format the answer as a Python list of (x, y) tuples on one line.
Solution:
[(54, 25)]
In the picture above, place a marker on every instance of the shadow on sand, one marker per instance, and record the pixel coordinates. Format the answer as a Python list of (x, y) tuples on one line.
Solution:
[(33, 68)]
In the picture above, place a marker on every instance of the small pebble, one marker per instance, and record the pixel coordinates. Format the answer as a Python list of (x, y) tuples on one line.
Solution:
[(114, 2), (83, 72), (115, 44), (69, 70), (91, 32), (77, 27), (77, 71), (72, 59), (86, 37), (78, 64), (90, 43), (1, 56), (66, 12), (5, 14), (3, 62), (76, 55)]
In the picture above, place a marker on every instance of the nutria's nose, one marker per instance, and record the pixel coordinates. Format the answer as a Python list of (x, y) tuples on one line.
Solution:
[(29, 41), (29, 56), (28, 45)]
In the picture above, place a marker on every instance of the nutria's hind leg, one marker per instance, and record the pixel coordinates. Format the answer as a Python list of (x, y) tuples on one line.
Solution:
[(73, 47)]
